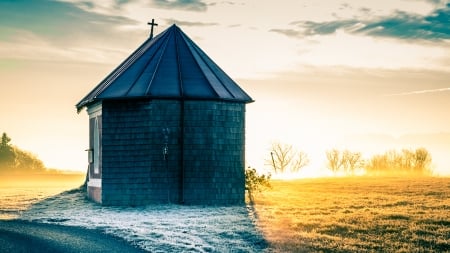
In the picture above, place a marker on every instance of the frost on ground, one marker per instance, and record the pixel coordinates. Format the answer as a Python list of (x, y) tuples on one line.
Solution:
[(157, 228)]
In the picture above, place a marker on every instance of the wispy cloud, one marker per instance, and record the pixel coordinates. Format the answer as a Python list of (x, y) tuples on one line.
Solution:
[(418, 92), (104, 6), (58, 31), (311, 28), (408, 26), (190, 5), (54, 20), (290, 32), (402, 25), (190, 23), (225, 3)]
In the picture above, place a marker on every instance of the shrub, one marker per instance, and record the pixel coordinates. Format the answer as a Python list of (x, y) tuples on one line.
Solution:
[(255, 183)]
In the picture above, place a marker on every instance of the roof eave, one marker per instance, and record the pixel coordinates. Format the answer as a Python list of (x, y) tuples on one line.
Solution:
[(80, 106)]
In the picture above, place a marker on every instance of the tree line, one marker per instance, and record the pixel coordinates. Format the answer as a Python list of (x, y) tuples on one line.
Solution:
[(409, 161), (392, 162), (284, 158), (14, 160)]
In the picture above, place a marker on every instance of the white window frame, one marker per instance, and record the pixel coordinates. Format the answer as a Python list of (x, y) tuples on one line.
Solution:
[(96, 151), (95, 111)]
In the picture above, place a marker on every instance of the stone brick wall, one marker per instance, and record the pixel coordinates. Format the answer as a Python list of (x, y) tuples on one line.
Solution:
[(214, 152), (211, 152)]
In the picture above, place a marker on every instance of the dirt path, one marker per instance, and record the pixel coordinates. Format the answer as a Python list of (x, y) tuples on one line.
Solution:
[(22, 236)]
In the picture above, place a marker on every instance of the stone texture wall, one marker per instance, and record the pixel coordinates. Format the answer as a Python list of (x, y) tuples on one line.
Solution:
[(214, 152), (204, 167)]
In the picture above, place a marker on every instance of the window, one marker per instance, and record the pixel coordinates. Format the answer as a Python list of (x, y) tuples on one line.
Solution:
[(96, 146)]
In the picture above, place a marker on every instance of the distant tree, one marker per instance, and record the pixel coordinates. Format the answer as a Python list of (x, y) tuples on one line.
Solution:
[(376, 165), (281, 156), (285, 158), (13, 159), (351, 161), (422, 161), (405, 162), (26, 161), (345, 161), (301, 161), (6, 153), (334, 160), (5, 141)]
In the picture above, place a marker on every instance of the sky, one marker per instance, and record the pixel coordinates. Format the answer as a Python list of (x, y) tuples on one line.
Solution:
[(367, 76)]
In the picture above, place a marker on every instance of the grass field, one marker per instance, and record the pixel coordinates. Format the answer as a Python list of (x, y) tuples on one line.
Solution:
[(356, 215)]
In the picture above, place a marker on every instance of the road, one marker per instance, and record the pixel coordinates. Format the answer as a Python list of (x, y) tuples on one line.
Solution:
[(21, 236)]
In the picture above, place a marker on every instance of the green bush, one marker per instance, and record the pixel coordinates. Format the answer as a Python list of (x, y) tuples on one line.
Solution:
[(255, 183)]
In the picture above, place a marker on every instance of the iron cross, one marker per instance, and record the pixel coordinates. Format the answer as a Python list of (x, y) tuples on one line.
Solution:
[(151, 30)]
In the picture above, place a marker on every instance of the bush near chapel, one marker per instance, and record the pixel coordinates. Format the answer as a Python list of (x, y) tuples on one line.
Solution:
[(255, 183)]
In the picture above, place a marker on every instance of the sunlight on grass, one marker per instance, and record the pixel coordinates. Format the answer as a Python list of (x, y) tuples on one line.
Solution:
[(357, 214)]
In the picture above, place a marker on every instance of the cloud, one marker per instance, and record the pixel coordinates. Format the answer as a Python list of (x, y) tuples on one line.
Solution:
[(120, 2), (189, 5), (312, 28), (435, 1), (92, 4), (189, 23), (402, 25), (60, 31), (418, 92), (55, 21), (225, 3), (289, 32), (408, 26), (235, 25)]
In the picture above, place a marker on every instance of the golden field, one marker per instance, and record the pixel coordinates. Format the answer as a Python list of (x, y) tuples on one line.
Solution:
[(42, 180), (356, 215)]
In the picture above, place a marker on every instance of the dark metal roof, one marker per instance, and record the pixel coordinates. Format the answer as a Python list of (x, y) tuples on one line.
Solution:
[(170, 66)]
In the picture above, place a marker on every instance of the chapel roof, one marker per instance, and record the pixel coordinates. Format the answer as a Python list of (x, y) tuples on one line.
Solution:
[(169, 66)]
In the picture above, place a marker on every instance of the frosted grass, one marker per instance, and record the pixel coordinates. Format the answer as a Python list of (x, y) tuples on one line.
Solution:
[(157, 228)]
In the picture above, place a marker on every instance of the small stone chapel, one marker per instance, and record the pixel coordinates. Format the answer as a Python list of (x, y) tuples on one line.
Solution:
[(166, 126)]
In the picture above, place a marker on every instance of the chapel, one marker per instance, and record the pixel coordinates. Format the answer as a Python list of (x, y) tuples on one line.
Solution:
[(166, 126)]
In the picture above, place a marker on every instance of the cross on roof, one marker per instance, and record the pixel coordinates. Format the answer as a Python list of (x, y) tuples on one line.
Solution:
[(151, 30)]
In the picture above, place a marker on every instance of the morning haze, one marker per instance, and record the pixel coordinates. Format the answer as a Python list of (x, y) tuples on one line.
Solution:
[(321, 74), (346, 146)]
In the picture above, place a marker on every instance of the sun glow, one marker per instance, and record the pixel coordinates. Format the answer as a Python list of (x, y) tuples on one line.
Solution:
[(311, 90), (308, 172)]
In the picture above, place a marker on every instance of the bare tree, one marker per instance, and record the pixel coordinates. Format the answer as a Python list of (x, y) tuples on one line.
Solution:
[(285, 158), (376, 165), (422, 161), (394, 162), (334, 160), (351, 161), (405, 160), (301, 161)]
